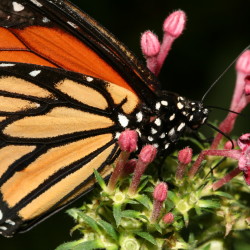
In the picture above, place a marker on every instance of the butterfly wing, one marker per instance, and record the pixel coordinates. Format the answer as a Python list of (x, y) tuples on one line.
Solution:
[(57, 125), (56, 128), (57, 34)]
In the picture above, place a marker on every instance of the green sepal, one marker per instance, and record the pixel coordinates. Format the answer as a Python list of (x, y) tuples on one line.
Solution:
[(144, 200), (100, 180), (91, 222), (224, 194), (80, 245), (117, 214), (108, 228), (148, 237), (130, 214)]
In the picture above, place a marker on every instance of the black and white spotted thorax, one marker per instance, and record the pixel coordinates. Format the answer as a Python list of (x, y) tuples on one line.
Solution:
[(164, 124)]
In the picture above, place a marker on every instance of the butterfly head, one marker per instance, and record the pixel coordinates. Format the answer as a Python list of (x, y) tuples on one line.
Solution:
[(193, 112)]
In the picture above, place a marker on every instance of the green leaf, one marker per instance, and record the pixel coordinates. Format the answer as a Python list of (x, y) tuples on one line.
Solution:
[(100, 180), (144, 200), (130, 214), (108, 228), (117, 214), (158, 228), (149, 190), (172, 196), (132, 202), (88, 245), (223, 194), (142, 185), (208, 204), (90, 221), (144, 217), (148, 237), (79, 245)]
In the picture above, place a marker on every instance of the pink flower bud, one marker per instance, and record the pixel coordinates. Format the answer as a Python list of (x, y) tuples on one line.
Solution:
[(128, 140), (160, 192), (168, 218), (185, 156), (174, 24), (243, 63), (150, 44), (148, 154)]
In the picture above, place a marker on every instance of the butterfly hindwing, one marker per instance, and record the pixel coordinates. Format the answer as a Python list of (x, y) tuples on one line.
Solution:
[(56, 127)]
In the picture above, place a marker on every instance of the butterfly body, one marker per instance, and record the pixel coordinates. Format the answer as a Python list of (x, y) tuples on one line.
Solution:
[(68, 89)]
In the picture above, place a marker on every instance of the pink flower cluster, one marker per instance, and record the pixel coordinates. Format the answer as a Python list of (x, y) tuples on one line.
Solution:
[(240, 100), (155, 53)]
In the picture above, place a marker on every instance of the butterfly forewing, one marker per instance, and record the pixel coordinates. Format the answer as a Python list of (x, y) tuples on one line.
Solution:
[(38, 29)]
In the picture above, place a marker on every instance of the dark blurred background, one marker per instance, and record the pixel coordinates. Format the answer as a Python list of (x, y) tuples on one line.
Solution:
[(216, 33)]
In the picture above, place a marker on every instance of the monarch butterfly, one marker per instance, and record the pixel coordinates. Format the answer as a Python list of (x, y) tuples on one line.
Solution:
[(68, 88)]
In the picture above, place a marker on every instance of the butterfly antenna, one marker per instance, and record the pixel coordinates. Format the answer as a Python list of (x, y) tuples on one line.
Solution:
[(223, 73), (219, 131), (228, 110)]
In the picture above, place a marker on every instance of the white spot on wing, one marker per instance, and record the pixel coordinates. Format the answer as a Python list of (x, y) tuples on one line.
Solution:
[(191, 118), (158, 122), (167, 145), (150, 138), (156, 145), (3, 228), (35, 73), (171, 132), (139, 117), (164, 103), (181, 126), (17, 6), (171, 118), (89, 79), (1, 214), (117, 135), (45, 20), (36, 3), (7, 64), (72, 24), (180, 105), (162, 136), (157, 106), (123, 120), (153, 131), (10, 222)]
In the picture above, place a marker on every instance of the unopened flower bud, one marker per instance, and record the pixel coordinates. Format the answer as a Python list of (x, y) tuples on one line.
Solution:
[(168, 218), (150, 44), (160, 192), (159, 195), (128, 140), (175, 23), (147, 154), (185, 156)]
